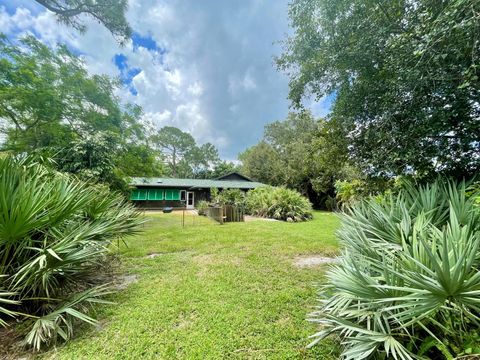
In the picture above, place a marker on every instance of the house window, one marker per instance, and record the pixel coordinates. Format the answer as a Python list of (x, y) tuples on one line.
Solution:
[(172, 194), (183, 195), (138, 194), (155, 194)]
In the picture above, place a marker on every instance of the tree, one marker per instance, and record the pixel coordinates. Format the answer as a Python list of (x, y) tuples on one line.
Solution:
[(218, 168), (110, 13), (302, 153), (47, 96), (184, 157), (92, 158), (175, 145), (262, 163), (51, 106), (202, 158), (223, 168), (292, 140), (140, 160), (405, 79)]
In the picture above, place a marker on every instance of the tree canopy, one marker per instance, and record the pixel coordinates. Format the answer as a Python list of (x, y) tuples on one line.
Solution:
[(184, 157), (51, 106), (405, 79), (302, 153), (110, 13)]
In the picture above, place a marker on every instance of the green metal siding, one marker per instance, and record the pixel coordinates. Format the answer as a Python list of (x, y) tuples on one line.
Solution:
[(172, 194), (138, 194), (155, 194)]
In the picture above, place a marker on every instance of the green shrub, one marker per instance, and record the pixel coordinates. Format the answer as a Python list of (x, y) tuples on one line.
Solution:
[(54, 235), (227, 196), (408, 281), (278, 203), (202, 207), (231, 197)]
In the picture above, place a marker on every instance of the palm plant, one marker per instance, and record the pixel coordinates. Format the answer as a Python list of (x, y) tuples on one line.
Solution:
[(408, 283), (54, 234), (278, 203)]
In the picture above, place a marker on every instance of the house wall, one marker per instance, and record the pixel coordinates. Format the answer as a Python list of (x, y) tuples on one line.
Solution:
[(200, 194), (159, 204)]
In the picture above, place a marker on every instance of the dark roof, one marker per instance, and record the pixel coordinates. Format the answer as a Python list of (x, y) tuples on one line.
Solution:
[(234, 174), (194, 183)]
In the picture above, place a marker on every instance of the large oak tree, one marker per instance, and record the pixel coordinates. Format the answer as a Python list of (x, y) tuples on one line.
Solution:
[(405, 75), (110, 13)]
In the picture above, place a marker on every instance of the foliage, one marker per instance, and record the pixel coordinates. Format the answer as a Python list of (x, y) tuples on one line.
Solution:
[(202, 158), (301, 153), (349, 192), (185, 158), (50, 105), (262, 163), (140, 160), (202, 207), (91, 159), (278, 203), (110, 13), (220, 168), (408, 281), (54, 236), (404, 78), (229, 197), (474, 191), (246, 292)]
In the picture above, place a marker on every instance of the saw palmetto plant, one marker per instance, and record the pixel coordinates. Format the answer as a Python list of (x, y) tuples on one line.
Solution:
[(55, 233), (278, 203), (408, 283)]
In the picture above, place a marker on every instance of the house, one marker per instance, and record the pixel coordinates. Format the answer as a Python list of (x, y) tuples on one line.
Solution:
[(157, 193)]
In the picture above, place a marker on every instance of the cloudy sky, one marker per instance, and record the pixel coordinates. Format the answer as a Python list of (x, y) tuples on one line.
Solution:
[(203, 66)]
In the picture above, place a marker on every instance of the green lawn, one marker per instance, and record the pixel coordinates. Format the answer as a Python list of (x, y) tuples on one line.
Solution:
[(214, 292)]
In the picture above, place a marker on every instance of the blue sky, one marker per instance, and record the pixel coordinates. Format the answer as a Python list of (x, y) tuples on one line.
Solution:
[(203, 66)]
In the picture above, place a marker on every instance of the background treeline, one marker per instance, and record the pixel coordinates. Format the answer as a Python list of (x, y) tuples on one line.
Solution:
[(302, 153), (52, 107), (405, 82)]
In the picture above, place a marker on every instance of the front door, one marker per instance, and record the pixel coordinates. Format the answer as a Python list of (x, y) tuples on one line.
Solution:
[(190, 200)]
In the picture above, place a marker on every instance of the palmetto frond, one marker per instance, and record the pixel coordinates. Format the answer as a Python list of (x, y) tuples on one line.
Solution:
[(54, 233), (410, 270)]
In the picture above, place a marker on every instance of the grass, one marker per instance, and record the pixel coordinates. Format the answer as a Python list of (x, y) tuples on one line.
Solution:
[(214, 292)]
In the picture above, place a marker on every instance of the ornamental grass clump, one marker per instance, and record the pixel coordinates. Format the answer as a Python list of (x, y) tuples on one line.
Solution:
[(55, 233), (408, 283), (278, 203)]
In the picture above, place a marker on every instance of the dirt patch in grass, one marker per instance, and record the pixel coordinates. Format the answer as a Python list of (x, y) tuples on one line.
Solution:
[(11, 345), (313, 260), (123, 281)]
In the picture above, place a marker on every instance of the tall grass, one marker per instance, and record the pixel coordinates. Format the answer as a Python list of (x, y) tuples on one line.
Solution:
[(408, 283), (54, 235)]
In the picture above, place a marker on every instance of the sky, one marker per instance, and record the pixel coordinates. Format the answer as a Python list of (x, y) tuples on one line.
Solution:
[(206, 67)]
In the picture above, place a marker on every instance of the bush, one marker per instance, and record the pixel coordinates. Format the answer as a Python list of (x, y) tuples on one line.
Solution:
[(202, 207), (408, 281), (278, 203), (54, 235), (231, 197)]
